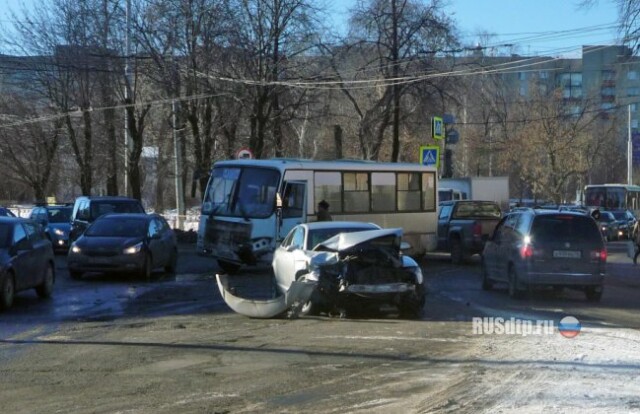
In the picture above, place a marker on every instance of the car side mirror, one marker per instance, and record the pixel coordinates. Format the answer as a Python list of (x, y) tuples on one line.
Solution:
[(291, 248), (155, 236), (404, 246)]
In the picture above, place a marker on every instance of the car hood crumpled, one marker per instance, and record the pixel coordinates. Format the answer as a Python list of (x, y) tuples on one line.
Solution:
[(347, 241)]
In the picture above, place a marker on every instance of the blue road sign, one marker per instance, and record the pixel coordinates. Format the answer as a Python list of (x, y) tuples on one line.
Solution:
[(437, 128), (430, 155)]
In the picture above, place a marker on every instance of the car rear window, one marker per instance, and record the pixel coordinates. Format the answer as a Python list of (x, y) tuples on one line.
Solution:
[(564, 228), (482, 210)]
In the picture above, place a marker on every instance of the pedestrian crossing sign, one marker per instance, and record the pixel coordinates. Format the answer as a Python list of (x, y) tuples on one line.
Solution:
[(430, 155), (437, 127)]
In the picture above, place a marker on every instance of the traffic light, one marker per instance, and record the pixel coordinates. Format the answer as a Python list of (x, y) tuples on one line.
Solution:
[(448, 163)]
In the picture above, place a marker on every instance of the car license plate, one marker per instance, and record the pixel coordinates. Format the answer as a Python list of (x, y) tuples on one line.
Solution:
[(567, 254)]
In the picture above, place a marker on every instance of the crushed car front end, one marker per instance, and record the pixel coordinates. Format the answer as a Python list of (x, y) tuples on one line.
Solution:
[(356, 270)]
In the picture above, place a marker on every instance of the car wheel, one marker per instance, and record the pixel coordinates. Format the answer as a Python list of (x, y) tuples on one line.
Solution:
[(7, 292), (228, 267), (45, 289), (594, 293), (147, 268), (312, 306), (75, 274), (514, 291), (487, 283), (456, 251), (172, 265)]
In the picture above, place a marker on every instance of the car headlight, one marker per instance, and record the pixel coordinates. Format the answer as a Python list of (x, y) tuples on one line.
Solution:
[(75, 249), (58, 232), (133, 249)]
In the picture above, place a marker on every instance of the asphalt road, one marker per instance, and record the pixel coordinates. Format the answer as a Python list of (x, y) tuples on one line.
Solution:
[(112, 344)]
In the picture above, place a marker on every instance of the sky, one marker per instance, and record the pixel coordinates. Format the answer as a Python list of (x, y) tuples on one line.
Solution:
[(547, 27)]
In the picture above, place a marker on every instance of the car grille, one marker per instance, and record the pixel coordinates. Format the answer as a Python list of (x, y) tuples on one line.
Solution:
[(228, 233), (102, 252)]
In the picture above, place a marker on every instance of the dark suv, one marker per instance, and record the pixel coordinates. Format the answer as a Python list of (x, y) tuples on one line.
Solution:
[(88, 208), (546, 248)]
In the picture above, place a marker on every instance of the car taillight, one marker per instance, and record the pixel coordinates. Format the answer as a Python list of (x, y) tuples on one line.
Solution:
[(477, 229), (599, 255), (526, 251)]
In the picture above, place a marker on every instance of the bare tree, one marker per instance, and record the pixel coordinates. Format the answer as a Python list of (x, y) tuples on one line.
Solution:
[(272, 39), (552, 144), (66, 45), (389, 42), (29, 149)]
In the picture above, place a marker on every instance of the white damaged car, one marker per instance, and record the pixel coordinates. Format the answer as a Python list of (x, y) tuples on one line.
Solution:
[(338, 267)]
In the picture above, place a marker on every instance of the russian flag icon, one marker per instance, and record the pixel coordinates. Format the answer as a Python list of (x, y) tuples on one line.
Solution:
[(569, 327)]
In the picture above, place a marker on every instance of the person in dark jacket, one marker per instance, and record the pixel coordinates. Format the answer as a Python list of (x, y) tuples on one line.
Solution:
[(323, 211), (635, 236)]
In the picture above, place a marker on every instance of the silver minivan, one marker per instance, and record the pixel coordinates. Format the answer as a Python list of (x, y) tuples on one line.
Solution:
[(546, 248)]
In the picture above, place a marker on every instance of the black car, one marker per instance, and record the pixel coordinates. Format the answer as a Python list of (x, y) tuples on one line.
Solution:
[(88, 208), (26, 260), (626, 221), (54, 219), (129, 243)]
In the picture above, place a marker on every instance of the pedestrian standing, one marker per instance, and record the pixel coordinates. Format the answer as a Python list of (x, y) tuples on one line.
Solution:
[(636, 241), (323, 211)]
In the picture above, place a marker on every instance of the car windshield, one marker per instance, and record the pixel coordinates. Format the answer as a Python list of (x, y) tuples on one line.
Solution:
[(553, 228), (59, 214), (606, 218), (619, 215), (98, 208), (118, 227), (5, 235), (318, 236)]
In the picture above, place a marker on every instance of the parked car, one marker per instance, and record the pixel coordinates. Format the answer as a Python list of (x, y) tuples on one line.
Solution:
[(130, 243), (26, 260), (55, 221), (626, 220), (608, 225), (464, 225), (338, 267), (546, 248), (88, 208), (5, 212)]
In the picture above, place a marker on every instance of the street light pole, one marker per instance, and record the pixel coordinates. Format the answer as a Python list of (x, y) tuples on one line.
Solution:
[(629, 149)]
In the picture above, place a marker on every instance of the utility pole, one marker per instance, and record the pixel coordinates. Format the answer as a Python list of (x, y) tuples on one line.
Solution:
[(127, 76), (178, 167)]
